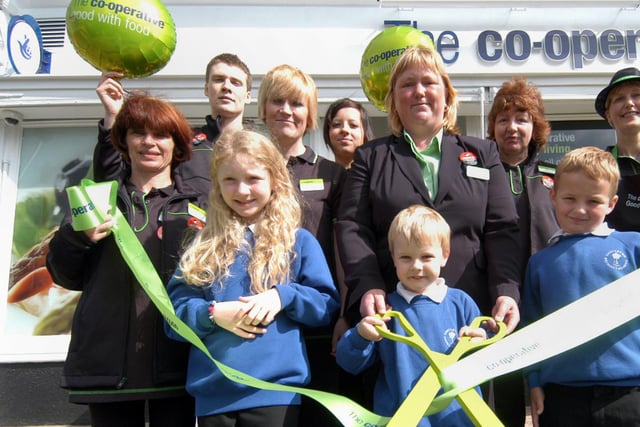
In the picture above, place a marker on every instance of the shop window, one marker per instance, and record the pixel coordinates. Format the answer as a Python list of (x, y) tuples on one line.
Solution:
[(566, 136), (50, 160)]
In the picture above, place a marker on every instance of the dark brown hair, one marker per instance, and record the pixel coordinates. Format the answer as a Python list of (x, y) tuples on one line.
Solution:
[(339, 105)]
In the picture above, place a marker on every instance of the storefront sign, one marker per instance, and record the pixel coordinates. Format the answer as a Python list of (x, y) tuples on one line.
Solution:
[(577, 46), (24, 43)]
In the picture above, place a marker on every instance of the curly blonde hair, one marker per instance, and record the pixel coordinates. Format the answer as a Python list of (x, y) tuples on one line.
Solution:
[(214, 249)]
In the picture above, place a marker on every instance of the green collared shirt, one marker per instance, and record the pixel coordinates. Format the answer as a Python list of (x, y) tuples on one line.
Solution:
[(429, 161)]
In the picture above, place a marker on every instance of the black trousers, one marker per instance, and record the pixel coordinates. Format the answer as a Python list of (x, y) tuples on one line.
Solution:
[(594, 406), (267, 416), (509, 399), (170, 412)]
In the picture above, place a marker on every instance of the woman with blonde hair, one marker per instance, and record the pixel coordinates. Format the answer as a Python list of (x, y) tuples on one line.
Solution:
[(248, 284), (288, 105), (427, 162)]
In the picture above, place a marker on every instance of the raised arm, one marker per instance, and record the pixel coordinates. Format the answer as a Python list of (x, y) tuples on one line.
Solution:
[(107, 162)]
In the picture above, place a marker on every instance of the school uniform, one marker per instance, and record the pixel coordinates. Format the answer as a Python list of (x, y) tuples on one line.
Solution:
[(475, 200)]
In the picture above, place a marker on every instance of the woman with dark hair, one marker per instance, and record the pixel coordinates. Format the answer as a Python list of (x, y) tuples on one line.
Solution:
[(519, 128), (346, 127), (119, 358)]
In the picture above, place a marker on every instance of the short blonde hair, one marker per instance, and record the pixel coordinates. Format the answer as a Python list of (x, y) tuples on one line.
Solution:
[(288, 82), (419, 224), (616, 89), (594, 162), (428, 57)]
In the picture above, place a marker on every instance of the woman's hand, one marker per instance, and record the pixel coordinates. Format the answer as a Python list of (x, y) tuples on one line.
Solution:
[(506, 310), (373, 302), (537, 404), (101, 231), (111, 94)]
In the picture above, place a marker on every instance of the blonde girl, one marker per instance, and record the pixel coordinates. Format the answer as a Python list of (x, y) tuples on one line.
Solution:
[(248, 283)]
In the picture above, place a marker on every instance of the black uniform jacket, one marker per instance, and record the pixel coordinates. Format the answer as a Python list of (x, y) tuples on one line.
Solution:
[(97, 356), (626, 215), (385, 178)]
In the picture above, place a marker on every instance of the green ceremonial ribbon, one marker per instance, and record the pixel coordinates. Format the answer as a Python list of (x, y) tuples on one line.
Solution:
[(88, 213), (560, 331)]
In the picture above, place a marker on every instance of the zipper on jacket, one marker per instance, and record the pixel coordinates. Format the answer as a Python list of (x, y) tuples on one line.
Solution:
[(122, 383)]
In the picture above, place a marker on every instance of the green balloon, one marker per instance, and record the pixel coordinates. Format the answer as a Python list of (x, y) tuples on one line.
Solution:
[(134, 37), (380, 55)]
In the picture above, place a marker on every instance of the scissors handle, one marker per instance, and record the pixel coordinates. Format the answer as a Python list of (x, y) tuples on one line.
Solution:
[(428, 385), (438, 360), (468, 343), (411, 337)]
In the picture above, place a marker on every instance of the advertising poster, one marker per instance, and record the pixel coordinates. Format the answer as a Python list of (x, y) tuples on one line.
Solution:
[(50, 160), (562, 141)]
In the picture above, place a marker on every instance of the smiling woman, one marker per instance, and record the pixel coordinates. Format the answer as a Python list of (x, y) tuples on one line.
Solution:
[(619, 104), (288, 105), (346, 127), (426, 162), (517, 124), (114, 371)]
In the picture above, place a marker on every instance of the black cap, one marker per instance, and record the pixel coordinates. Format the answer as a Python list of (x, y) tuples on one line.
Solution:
[(620, 76)]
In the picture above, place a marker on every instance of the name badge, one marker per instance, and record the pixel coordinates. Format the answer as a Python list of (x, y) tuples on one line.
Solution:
[(312, 184), (196, 212), (478, 173)]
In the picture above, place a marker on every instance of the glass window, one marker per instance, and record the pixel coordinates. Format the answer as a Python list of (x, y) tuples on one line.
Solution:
[(50, 160), (566, 136)]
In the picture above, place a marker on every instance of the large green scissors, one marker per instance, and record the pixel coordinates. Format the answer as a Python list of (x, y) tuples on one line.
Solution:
[(415, 405)]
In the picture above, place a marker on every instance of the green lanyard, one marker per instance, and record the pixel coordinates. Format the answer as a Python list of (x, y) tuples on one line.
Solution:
[(614, 151), (516, 189)]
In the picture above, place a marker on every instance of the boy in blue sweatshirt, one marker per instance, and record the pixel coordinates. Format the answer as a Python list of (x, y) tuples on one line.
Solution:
[(596, 384), (419, 244)]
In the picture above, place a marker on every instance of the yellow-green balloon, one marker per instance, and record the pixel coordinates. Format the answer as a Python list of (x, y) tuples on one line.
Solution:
[(135, 37), (380, 55)]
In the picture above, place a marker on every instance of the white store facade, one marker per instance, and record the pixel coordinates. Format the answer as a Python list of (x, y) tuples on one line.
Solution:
[(569, 49)]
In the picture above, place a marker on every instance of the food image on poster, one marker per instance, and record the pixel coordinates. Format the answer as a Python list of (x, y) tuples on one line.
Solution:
[(35, 304)]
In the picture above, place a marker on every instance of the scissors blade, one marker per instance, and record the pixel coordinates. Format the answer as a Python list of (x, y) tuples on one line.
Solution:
[(477, 409), (412, 408)]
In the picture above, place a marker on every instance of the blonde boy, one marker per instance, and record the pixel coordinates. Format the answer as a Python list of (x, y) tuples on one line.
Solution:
[(595, 384), (419, 244)]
